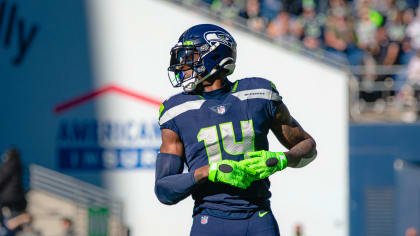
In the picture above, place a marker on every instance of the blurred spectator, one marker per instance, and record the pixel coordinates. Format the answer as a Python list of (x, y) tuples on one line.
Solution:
[(252, 15), (373, 34), (384, 6), (365, 29), (395, 27), (227, 10), (294, 7), (12, 196), (406, 48), (270, 9), (413, 71), (384, 51), (409, 93), (413, 75), (413, 31), (68, 229), (308, 28), (347, 29), (321, 6), (339, 36), (411, 232), (278, 28), (338, 8), (298, 230)]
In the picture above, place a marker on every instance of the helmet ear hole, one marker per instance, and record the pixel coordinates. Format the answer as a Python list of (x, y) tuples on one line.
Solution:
[(229, 68), (228, 64)]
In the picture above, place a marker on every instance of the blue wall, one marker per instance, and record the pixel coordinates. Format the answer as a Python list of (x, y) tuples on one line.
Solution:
[(56, 67), (373, 150)]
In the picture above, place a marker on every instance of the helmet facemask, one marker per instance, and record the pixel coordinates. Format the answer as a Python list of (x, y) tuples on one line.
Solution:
[(187, 65), (183, 65)]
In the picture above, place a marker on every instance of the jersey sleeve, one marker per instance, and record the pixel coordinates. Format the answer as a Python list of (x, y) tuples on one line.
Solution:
[(274, 101), (165, 123)]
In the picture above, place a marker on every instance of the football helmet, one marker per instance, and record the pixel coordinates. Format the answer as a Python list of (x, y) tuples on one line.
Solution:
[(201, 51)]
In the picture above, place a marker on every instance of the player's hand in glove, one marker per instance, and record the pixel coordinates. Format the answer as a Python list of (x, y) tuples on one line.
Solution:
[(265, 163), (231, 172)]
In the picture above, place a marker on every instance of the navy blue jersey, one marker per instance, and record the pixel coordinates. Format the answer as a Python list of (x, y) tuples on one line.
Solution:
[(224, 124)]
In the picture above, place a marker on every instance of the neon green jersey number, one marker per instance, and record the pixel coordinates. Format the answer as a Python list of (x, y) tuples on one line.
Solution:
[(230, 145), (211, 142)]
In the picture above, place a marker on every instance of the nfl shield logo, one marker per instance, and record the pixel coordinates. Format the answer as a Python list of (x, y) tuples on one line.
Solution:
[(221, 109), (204, 220)]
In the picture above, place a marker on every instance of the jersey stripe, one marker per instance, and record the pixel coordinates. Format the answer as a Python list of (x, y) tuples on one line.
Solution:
[(257, 93), (179, 109)]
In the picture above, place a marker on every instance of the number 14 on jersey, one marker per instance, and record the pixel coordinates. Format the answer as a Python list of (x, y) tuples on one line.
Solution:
[(212, 142)]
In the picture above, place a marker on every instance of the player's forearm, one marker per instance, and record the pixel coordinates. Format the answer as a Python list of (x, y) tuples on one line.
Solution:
[(171, 185), (201, 174), (302, 153), (174, 188)]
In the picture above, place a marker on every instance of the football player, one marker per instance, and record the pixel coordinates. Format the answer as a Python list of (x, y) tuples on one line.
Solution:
[(219, 128)]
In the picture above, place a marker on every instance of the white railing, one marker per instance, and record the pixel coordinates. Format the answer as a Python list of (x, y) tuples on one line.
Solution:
[(84, 194), (383, 94)]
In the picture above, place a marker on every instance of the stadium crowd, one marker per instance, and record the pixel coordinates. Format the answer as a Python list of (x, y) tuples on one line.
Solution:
[(369, 35)]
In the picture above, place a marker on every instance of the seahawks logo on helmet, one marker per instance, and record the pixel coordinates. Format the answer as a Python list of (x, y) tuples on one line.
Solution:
[(218, 36)]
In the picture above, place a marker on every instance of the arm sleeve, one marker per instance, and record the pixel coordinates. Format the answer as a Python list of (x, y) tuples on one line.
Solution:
[(171, 185)]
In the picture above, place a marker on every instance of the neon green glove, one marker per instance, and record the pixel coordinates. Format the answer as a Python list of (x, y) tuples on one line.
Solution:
[(231, 172), (265, 163)]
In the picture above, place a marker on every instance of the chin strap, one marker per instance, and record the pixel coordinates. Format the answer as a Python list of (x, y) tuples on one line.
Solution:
[(222, 65), (193, 85)]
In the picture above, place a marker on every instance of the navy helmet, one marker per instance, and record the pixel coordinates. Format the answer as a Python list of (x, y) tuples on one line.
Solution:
[(201, 51)]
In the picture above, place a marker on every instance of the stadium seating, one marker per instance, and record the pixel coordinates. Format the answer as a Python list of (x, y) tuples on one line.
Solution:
[(375, 41)]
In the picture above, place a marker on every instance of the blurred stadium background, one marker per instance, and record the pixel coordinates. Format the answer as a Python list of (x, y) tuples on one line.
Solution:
[(81, 83)]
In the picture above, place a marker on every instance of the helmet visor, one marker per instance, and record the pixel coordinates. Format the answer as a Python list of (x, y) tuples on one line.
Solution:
[(183, 56), (182, 64)]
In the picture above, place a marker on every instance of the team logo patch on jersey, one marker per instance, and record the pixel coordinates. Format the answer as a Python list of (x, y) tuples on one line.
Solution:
[(220, 109), (204, 220)]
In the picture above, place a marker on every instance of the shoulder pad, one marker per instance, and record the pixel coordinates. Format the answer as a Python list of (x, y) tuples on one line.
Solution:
[(178, 104), (254, 83), (255, 87)]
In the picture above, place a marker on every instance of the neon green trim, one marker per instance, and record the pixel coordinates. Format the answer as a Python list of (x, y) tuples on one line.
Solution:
[(235, 86), (262, 214), (176, 77), (253, 135), (273, 85), (200, 96), (188, 43), (212, 171), (162, 107), (283, 160)]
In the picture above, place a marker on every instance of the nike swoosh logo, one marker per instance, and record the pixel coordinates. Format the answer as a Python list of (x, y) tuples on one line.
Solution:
[(262, 214)]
